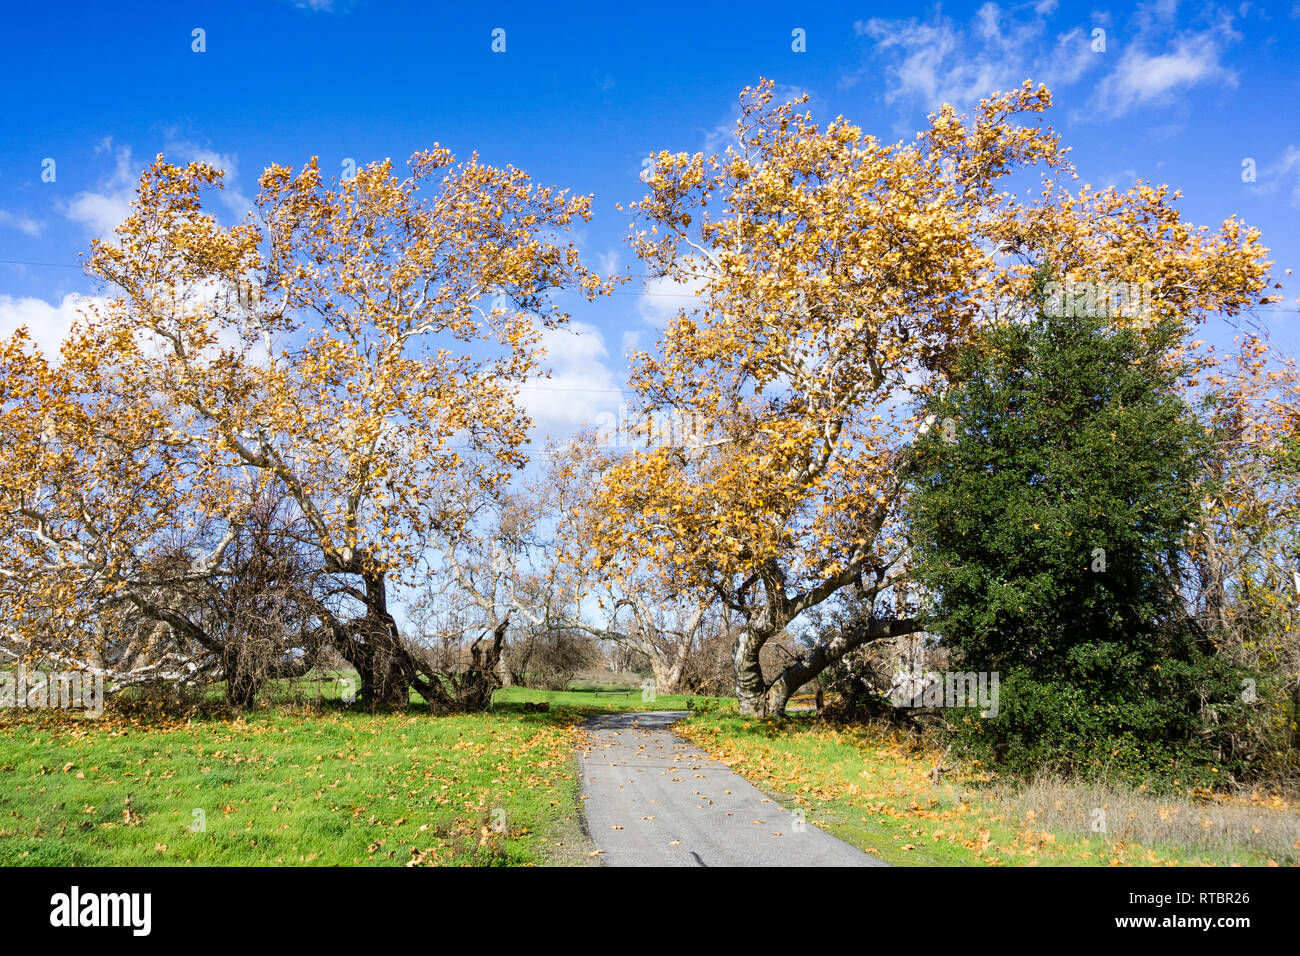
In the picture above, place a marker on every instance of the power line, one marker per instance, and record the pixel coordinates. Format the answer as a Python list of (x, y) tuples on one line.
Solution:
[(658, 295), (52, 265), (66, 265), (566, 388)]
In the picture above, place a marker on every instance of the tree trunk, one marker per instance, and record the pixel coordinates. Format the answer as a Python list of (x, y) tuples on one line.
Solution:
[(379, 656), (825, 654), (383, 685), (751, 690), (242, 684), (782, 689), (1295, 713), (667, 666), (389, 671), (475, 688)]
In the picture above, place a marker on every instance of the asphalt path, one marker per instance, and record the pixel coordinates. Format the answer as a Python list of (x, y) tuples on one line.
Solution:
[(652, 798)]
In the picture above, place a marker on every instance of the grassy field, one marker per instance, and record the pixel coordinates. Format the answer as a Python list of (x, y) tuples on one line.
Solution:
[(586, 702), (282, 788), (306, 784), (876, 790), (583, 696), (317, 783)]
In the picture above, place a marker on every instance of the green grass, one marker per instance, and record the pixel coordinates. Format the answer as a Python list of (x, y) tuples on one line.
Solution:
[(300, 786), (586, 701), (874, 789), (338, 786), (276, 788)]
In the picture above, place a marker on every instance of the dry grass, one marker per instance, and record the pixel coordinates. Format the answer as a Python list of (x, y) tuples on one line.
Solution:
[(1211, 825)]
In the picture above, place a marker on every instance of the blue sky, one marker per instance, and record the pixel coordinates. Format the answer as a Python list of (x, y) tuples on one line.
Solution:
[(1183, 93)]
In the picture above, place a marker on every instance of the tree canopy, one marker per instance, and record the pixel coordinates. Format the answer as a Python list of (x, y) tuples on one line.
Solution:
[(344, 348), (840, 278)]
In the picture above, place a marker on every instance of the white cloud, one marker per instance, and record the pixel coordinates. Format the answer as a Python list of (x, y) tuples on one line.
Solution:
[(21, 222), (1121, 180), (102, 211), (631, 340), (1142, 78), (608, 262), (663, 299), (581, 386), (1156, 13), (717, 139), (47, 324), (929, 63), (231, 195), (937, 62), (1285, 173)]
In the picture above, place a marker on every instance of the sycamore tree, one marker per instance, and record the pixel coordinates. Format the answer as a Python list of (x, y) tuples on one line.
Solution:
[(347, 347), (630, 604), (523, 563), (515, 575), (1248, 551), (838, 277), (101, 530), (1244, 580), (482, 581)]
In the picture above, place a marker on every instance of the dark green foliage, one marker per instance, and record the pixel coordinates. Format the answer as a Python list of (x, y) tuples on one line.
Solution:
[(1050, 533)]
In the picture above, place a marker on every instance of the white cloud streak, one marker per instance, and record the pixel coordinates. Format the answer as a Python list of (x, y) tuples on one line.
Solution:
[(20, 221), (935, 61)]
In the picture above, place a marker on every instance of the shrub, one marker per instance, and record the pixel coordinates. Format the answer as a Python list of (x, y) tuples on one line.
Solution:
[(1052, 533)]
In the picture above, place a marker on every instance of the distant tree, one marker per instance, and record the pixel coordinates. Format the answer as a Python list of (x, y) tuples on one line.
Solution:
[(632, 605)]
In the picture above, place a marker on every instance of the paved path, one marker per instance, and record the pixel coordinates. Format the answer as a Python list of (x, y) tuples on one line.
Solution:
[(653, 799)]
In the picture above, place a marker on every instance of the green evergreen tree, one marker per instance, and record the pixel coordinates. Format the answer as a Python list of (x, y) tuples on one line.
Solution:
[(1049, 509)]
